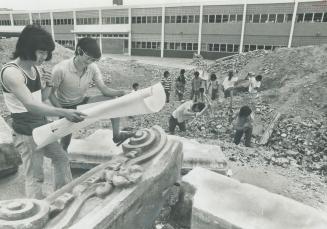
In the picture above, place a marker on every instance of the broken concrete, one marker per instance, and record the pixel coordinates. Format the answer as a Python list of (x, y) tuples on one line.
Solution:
[(221, 202), (9, 157), (93, 150), (202, 155)]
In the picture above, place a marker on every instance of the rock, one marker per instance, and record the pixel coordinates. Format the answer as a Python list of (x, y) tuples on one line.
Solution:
[(207, 156), (83, 153), (222, 202), (9, 156), (161, 161)]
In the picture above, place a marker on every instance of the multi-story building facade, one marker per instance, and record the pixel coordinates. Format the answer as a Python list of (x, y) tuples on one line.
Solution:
[(213, 29)]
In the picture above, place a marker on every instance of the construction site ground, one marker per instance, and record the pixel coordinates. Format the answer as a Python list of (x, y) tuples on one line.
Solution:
[(291, 164)]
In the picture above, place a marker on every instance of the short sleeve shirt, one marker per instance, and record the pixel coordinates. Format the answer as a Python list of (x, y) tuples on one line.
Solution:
[(179, 112), (229, 83), (71, 86), (253, 84)]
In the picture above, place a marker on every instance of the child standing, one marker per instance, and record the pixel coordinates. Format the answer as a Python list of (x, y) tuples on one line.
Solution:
[(196, 84), (166, 83), (180, 85), (213, 86), (243, 124)]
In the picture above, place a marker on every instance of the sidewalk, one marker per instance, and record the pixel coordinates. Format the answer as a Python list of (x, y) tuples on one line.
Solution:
[(164, 62)]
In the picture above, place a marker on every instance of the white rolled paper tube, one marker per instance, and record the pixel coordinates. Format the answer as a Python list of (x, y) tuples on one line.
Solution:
[(145, 101)]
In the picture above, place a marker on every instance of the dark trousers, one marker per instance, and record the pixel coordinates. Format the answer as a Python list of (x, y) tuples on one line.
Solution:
[(214, 94), (195, 95), (167, 95), (173, 123), (228, 92), (248, 136), (180, 96)]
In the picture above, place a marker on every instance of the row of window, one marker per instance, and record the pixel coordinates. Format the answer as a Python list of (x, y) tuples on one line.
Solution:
[(5, 22), (115, 35), (181, 46), (42, 22), (219, 18), (146, 45), (22, 22), (268, 18), (66, 43), (213, 47), (182, 19), (311, 17), (249, 47), (222, 18), (146, 19), (105, 35), (167, 45), (87, 21), (64, 21), (114, 20), (93, 35)]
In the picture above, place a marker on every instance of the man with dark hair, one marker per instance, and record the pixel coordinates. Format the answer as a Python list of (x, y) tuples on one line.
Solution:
[(166, 83), (135, 86), (180, 85), (243, 124), (71, 79), (185, 111), (23, 93)]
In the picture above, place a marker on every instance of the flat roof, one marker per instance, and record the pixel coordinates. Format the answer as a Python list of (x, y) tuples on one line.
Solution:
[(210, 2)]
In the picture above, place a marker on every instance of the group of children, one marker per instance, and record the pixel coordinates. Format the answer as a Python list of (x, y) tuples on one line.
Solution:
[(242, 122)]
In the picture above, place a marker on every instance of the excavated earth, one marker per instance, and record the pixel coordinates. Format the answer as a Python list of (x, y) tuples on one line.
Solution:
[(294, 161)]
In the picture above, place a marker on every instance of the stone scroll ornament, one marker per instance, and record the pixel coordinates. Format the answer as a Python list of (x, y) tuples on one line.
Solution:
[(124, 172), (145, 101)]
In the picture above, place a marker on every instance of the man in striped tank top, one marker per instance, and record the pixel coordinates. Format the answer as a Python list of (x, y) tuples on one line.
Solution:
[(23, 95)]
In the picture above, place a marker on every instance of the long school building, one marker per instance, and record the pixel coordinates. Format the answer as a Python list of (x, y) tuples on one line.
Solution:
[(213, 29)]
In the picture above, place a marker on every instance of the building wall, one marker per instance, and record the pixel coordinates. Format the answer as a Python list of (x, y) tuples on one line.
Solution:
[(113, 46), (145, 52), (178, 54), (182, 25), (313, 32), (63, 31)]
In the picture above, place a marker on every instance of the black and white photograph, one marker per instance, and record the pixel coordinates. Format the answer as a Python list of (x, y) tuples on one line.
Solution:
[(163, 114)]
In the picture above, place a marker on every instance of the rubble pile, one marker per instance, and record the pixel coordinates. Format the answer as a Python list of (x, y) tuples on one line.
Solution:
[(299, 141), (235, 62)]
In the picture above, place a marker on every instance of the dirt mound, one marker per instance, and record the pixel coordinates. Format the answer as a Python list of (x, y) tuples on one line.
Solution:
[(7, 47)]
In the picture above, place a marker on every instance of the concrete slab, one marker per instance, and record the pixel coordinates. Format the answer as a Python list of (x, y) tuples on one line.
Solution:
[(222, 202), (9, 156), (93, 150), (202, 155)]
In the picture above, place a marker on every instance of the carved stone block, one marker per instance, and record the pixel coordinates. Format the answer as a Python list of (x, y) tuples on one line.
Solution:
[(122, 193)]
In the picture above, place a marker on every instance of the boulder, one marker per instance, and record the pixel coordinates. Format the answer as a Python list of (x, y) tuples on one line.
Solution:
[(93, 150), (203, 155), (222, 202), (9, 156)]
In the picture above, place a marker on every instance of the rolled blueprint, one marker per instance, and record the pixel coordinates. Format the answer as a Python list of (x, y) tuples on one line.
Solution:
[(145, 101)]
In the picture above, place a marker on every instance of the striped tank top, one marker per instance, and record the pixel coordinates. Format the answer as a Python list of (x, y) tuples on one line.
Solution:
[(23, 121)]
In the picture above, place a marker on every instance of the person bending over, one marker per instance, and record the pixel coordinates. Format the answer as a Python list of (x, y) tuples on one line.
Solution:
[(185, 111), (243, 124)]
